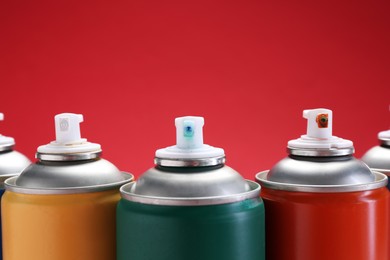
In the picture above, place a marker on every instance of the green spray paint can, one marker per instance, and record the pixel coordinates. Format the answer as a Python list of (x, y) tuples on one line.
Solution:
[(190, 206)]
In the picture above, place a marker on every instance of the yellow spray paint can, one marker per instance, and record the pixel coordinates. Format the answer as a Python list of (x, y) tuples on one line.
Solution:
[(63, 206)]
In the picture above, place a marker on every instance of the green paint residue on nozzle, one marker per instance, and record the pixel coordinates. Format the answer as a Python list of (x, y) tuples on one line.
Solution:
[(188, 129)]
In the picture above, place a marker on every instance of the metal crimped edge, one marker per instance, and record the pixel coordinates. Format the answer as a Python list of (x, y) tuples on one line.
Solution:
[(6, 147), (4, 177), (193, 162), (384, 171), (10, 186), (384, 141), (191, 201), (320, 152), (68, 156), (380, 181)]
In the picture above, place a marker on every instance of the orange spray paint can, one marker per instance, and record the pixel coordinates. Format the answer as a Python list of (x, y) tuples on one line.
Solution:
[(63, 206)]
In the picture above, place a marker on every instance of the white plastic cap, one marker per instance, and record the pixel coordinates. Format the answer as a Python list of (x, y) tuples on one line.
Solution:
[(319, 132), (5, 140), (189, 141), (384, 134), (68, 138)]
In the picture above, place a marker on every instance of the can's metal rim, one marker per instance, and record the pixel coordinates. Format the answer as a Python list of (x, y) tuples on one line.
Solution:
[(254, 192), (68, 156), (320, 152), (193, 162), (384, 141), (5, 177), (10, 186), (384, 171), (380, 181), (6, 147)]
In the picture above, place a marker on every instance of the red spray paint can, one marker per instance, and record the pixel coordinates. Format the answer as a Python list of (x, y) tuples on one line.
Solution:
[(322, 203)]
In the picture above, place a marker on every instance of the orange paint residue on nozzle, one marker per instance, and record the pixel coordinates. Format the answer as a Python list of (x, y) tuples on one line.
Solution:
[(322, 120)]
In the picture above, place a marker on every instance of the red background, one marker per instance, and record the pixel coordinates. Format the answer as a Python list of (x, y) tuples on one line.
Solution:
[(248, 67)]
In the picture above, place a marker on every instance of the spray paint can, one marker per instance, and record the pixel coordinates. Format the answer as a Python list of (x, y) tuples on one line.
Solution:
[(321, 202), (63, 206), (190, 206), (11, 162), (378, 157)]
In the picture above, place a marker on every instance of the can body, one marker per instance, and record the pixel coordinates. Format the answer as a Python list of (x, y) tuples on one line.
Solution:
[(59, 226), (232, 231), (323, 226)]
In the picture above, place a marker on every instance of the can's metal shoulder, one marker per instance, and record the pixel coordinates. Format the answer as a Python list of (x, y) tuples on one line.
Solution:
[(338, 170), (186, 186), (50, 177), (379, 182), (12, 163), (378, 158)]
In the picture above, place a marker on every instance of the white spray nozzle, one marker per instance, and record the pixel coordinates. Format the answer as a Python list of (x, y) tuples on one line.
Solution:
[(5, 140), (319, 132), (68, 128), (189, 141), (68, 137), (319, 122), (189, 132), (384, 135)]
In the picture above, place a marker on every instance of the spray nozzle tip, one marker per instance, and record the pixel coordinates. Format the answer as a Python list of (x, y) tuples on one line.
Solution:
[(319, 122), (67, 127), (189, 132), (68, 138), (319, 132), (189, 141)]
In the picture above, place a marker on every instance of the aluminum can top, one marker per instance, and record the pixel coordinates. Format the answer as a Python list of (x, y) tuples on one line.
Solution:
[(68, 165), (319, 158), (190, 173)]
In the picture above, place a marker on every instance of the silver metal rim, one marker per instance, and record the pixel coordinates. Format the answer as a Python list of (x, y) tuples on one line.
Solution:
[(384, 171), (68, 157), (201, 162), (320, 152), (380, 181), (6, 147), (196, 201), (385, 142), (3, 178), (10, 186)]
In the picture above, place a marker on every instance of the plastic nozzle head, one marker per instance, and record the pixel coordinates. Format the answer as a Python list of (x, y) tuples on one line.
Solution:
[(319, 122), (384, 135), (319, 132), (5, 141), (68, 137), (189, 141), (68, 128), (189, 132)]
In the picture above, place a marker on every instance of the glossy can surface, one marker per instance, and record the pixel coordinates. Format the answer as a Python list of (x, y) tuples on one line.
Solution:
[(323, 226), (233, 231), (59, 226)]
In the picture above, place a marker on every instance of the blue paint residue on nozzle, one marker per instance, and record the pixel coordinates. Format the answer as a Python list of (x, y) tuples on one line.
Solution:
[(188, 129)]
